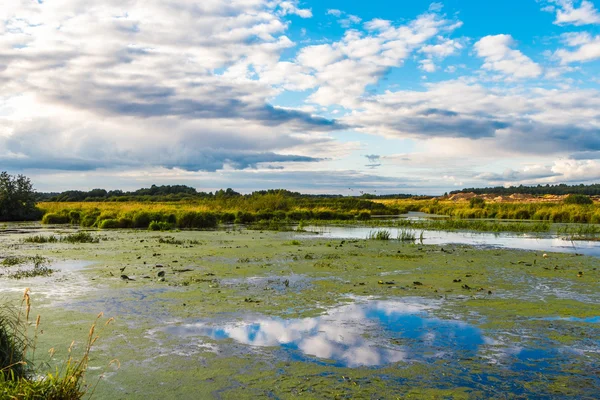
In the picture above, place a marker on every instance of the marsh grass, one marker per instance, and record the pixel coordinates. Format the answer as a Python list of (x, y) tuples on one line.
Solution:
[(453, 225), (79, 237), (40, 267), (380, 235), (19, 376)]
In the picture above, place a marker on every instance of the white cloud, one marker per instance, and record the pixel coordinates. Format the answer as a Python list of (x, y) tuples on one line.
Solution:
[(345, 68), (445, 48), (567, 13), (587, 48), (487, 121), (126, 84), (499, 56), (334, 12), (291, 7)]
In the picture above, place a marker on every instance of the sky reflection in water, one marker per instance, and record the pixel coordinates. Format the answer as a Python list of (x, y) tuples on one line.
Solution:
[(351, 335)]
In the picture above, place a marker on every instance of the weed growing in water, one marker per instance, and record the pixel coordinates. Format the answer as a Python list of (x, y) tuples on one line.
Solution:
[(79, 237), (380, 235)]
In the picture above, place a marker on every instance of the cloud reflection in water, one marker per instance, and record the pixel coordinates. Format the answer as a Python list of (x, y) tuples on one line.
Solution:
[(370, 333)]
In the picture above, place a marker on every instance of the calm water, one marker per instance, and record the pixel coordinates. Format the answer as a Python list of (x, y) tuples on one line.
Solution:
[(500, 240), (376, 333)]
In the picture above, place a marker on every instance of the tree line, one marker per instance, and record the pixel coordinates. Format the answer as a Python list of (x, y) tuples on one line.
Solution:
[(539, 190)]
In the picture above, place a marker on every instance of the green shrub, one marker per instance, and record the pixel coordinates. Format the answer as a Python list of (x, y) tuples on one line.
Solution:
[(109, 224), (363, 216), (55, 219), (522, 214), (227, 218), (477, 202), (74, 217), (244, 218), (141, 219), (578, 199), (88, 221), (159, 226)]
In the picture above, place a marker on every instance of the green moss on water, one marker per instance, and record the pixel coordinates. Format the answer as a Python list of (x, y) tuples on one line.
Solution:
[(508, 294)]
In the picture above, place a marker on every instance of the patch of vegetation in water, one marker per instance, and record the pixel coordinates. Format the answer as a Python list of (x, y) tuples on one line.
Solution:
[(79, 237)]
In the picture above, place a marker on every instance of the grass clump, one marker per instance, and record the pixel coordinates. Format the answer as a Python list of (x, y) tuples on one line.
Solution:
[(80, 237), (21, 378), (380, 235), (41, 239), (159, 226), (40, 267)]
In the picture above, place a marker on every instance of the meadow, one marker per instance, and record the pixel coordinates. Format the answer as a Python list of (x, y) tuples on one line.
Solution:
[(274, 211)]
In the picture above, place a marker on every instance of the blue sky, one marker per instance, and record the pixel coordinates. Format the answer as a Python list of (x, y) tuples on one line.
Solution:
[(321, 97)]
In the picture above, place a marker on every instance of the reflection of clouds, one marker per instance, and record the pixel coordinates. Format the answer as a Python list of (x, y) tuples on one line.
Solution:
[(351, 334)]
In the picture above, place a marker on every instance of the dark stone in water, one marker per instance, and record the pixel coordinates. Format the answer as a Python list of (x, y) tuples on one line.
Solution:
[(161, 274)]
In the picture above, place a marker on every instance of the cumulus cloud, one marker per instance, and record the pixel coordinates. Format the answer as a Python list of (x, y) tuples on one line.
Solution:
[(169, 84), (444, 48), (585, 48), (499, 56), (568, 13), (291, 7), (538, 121), (345, 68)]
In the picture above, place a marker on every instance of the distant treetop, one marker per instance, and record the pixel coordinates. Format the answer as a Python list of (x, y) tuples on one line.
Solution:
[(561, 189)]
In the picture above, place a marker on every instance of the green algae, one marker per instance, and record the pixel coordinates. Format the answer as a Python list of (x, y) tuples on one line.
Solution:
[(505, 292)]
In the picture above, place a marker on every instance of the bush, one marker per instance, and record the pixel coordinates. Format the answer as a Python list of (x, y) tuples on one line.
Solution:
[(141, 219), (363, 216), (477, 202), (245, 218), (109, 224), (88, 221), (578, 199), (74, 217), (159, 226), (227, 218), (55, 219)]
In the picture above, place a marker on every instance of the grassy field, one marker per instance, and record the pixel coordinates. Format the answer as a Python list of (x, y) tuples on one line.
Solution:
[(536, 211), (275, 212)]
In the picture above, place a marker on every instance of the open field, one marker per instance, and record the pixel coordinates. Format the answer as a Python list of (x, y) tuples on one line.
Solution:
[(247, 314)]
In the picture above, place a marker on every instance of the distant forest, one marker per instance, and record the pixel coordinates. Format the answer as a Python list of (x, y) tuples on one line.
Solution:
[(179, 193), (561, 189)]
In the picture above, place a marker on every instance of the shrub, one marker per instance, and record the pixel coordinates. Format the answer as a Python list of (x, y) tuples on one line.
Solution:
[(74, 217), (578, 199), (55, 219), (88, 221), (477, 202), (363, 216), (244, 218), (141, 219), (109, 224), (159, 226), (227, 218), (522, 214)]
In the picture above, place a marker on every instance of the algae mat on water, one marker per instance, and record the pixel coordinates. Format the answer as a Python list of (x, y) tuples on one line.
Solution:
[(249, 314)]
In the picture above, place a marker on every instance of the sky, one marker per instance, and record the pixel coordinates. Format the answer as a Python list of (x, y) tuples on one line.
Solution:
[(329, 96)]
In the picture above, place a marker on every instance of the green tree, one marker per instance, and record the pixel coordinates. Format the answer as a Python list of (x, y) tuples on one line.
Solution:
[(17, 198)]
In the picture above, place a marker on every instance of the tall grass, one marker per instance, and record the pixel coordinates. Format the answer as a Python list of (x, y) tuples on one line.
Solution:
[(20, 378), (380, 235)]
